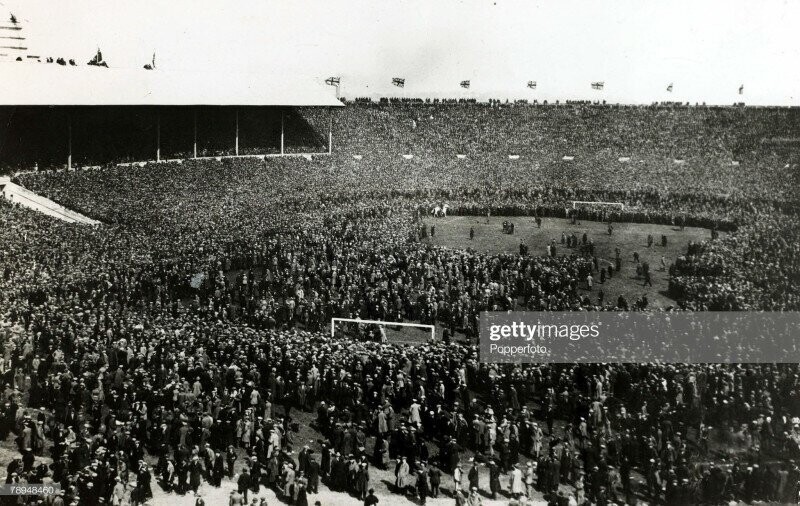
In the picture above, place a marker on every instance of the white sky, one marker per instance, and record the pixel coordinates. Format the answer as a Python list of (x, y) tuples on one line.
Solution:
[(706, 48)]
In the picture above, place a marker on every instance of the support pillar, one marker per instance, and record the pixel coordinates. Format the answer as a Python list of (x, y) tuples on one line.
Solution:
[(158, 137), (237, 132), (69, 140), (330, 130), (194, 146), (282, 115)]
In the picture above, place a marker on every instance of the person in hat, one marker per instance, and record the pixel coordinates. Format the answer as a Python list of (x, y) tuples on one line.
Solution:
[(422, 484), (302, 459), (255, 475), (237, 499), (218, 469), (195, 473), (435, 477), (474, 498), (517, 483), (494, 478), (458, 475), (230, 460), (289, 476), (473, 475), (414, 416), (460, 497), (273, 470), (118, 492), (402, 476), (362, 480), (371, 499), (325, 459), (301, 495), (58, 500), (243, 483), (312, 468), (339, 473)]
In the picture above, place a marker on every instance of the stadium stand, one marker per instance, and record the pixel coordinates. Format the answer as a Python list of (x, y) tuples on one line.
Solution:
[(191, 326)]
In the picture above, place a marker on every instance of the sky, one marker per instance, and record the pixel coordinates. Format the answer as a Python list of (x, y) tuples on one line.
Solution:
[(705, 48)]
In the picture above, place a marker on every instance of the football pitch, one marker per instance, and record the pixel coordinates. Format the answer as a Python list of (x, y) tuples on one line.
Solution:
[(453, 232)]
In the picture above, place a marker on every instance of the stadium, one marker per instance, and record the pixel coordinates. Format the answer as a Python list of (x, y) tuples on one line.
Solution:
[(186, 284)]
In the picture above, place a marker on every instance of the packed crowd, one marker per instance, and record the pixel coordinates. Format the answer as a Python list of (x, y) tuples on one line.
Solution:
[(178, 344)]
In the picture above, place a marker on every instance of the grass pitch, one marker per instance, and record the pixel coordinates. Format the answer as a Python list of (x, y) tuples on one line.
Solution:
[(395, 334), (453, 232)]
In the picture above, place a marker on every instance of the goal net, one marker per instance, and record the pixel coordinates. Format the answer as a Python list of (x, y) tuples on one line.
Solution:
[(382, 331)]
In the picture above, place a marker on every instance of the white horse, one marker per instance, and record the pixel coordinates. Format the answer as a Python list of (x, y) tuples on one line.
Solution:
[(436, 211), (444, 210)]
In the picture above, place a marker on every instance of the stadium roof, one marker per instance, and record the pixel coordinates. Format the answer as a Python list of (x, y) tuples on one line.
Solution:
[(34, 83)]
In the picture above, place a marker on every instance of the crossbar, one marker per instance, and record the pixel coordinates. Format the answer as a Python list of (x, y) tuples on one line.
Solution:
[(382, 322)]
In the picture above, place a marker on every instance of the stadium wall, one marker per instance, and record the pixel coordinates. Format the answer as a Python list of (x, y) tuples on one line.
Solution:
[(24, 197)]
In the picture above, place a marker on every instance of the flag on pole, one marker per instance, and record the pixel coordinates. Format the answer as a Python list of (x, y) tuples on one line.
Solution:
[(465, 84), (532, 85), (333, 81), (97, 60), (399, 82), (741, 90), (598, 85), (669, 88)]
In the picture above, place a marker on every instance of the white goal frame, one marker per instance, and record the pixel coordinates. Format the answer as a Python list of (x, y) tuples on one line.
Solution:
[(382, 322), (576, 202)]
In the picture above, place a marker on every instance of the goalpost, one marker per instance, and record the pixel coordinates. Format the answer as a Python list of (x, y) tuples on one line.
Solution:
[(576, 203), (384, 323)]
